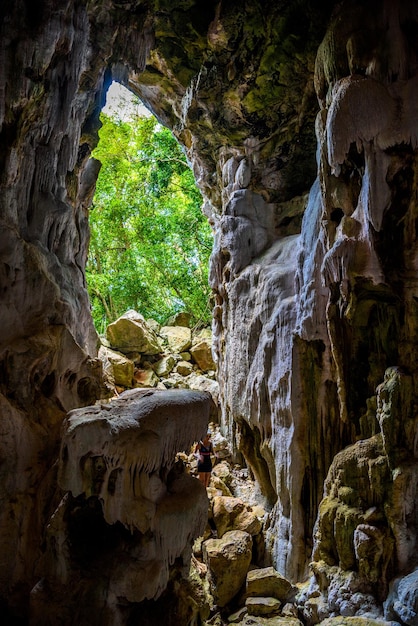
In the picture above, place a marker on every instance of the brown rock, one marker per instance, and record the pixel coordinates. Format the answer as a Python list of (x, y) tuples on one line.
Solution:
[(180, 319), (228, 560), (119, 368), (231, 513), (184, 368), (130, 333), (145, 378), (202, 354), (267, 581), (177, 338), (262, 605), (165, 366)]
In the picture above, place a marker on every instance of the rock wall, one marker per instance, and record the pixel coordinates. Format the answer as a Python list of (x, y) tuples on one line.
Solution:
[(300, 122)]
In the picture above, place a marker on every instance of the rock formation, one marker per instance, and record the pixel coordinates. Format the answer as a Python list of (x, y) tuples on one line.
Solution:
[(141, 353), (300, 121), (129, 508)]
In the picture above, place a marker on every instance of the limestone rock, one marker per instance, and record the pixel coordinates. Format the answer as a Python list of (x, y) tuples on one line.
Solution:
[(268, 582), (145, 378), (352, 621), (231, 513), (352, 530), (165, 366), (221, 446), (273, 105), (177, 338), (223, 471), (396, 422), (119, 368), (237, 616), (184, 368), (182, 318), (153, 325), (195, 381), (262, 605), (219, 488), (402, 601), (131, 333), (202, 354), (228, 560), (277, 620), (123, 456)]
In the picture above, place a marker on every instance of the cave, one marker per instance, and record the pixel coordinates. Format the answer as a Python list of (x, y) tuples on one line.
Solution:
[(300, 121)]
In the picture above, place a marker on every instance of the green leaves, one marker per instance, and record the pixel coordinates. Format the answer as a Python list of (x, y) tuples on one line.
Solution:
[(150, 242)]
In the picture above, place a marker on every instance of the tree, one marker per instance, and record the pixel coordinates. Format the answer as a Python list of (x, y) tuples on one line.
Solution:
[(150, 242)]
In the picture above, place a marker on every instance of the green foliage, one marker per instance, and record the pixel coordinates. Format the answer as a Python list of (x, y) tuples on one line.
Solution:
[(150, 242)]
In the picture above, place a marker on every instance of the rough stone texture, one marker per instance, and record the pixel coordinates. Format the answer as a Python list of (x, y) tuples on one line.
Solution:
[(267, 581), (178, 338), (120, 369), (129, 502), (402, 601), (227, 560), (232, 514), (352, 621), (202, 354), (164, 366), (270, 621), (131, 333), (314, 267), (262, 605)]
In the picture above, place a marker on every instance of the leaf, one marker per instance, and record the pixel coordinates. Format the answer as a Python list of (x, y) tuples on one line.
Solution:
[(150, 242)]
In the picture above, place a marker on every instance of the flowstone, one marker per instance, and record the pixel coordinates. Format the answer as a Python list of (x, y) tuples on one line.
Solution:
[(130, 508)]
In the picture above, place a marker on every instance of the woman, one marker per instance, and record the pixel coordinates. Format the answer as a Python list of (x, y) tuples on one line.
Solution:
[(203, 452)]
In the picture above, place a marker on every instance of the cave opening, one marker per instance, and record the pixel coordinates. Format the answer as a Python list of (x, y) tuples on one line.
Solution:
[(149, 239)]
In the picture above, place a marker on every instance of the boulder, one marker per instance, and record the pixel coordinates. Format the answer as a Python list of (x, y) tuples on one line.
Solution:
[(153, 325), (352, 621), (177, 381), (237, 616), (223, 471), (221, 445), (402, 602), (165, 366), (219, 487), (119, 369), (276, 620), (202, 354), (195, 381), (203, 333), (262, 605), (231, 513), (145, 378), (180, 319), (131, 333), (268, 582), (228, 560), (177, 338), (184, 368)]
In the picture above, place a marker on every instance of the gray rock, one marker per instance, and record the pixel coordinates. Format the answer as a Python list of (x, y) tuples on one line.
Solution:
[(402, 601)]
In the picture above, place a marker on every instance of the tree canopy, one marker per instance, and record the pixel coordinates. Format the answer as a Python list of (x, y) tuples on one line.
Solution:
[(150, 242)]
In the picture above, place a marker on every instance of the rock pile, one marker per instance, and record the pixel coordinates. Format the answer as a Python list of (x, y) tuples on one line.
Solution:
[(231, 583), (139, 353)]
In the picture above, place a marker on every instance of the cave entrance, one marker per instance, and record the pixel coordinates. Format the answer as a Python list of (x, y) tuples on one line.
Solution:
[(150, 242)]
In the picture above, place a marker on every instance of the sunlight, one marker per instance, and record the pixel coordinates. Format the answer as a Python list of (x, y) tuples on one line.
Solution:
[(122, 104), (149, 240)]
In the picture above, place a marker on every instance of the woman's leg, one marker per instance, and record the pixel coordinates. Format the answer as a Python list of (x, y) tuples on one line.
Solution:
[(202, 478)]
